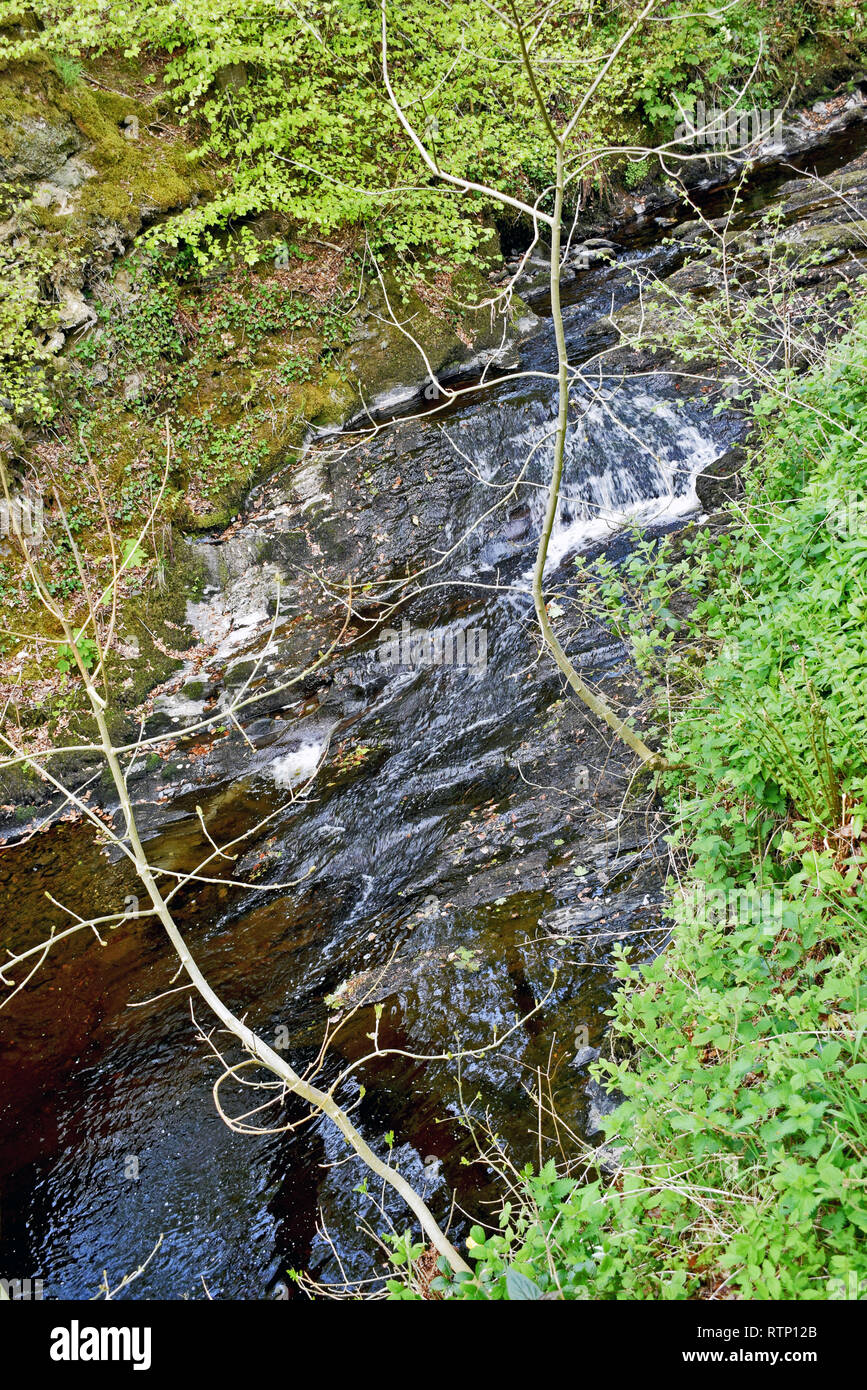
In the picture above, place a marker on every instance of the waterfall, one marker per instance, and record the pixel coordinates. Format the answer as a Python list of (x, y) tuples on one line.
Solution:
[(631, 455)]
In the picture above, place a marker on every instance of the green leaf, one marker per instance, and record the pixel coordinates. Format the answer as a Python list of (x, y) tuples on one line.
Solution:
[(520, 1287)]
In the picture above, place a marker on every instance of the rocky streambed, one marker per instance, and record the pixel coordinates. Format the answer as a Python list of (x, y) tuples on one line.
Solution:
[(437, 838)]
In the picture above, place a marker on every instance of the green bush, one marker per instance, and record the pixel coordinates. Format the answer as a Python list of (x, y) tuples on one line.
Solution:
[(291, 98)]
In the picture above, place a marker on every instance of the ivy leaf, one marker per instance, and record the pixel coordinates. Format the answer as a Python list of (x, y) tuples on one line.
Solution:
[(133, 554)]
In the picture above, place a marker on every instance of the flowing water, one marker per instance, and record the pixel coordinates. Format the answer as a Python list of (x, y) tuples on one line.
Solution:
[(465, 840)]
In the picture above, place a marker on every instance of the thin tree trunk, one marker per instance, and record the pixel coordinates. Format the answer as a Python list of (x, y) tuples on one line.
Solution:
[(599, 706)]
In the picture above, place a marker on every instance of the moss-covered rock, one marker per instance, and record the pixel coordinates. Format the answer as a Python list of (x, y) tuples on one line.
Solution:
[(405, 333), (244, 363)]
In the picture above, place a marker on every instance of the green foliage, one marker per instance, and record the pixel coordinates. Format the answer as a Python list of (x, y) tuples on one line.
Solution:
[(221, 454), (636, 172), (290, 110), (87, 652), (68, 70), (291, 98), (782, 723), (296, 367), (26, 318)]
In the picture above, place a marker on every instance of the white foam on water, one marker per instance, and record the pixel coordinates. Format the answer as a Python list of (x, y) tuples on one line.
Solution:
[(631, 457), (294, 768)]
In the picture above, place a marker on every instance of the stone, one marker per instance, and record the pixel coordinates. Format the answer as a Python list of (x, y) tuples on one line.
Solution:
[(687, 230), (718, 483), (38, 147), (72, 174), (601, 1103), (74, 311), (132, 387), (585, 1056), (55, 342)]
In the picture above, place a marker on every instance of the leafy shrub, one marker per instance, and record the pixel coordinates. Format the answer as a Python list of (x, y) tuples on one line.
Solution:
[(291, 98)]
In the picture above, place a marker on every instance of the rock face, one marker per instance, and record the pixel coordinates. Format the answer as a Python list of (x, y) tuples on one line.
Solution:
[(36, 148), (718, 484), (707, 171), (700, 174), (78, 187), (73, 310), (402, 345), (534, 278), (815, 242)]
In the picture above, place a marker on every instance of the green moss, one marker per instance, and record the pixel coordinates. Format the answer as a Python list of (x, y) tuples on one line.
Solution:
[(147, 173), (134, 174), (328, 402), (838, 235), (384, 358), (159, 612)]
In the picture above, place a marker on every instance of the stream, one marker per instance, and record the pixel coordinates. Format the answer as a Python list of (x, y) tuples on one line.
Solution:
[(462, 864)]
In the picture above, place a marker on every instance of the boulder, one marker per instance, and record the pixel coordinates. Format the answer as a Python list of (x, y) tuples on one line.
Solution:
[(718, 483), (36, 148), (74, 311)]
